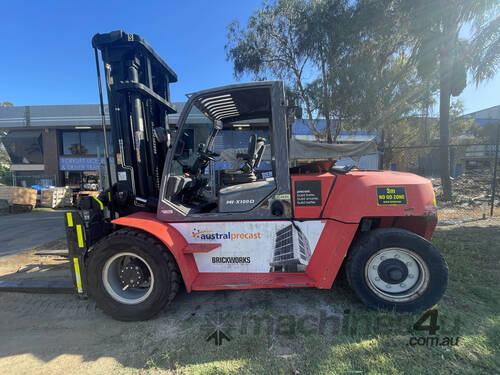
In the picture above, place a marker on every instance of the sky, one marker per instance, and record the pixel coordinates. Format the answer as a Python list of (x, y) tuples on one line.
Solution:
[(46, 55)]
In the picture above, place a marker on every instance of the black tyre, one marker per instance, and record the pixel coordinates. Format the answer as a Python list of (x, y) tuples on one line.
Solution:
[(396, 270), (131, 275)]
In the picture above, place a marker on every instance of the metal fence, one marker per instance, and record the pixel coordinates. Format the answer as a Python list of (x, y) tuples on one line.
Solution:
[(472, 170)]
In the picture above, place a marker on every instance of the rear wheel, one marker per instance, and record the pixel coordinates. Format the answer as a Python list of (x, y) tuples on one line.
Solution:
[(131, 275), (393, 269)]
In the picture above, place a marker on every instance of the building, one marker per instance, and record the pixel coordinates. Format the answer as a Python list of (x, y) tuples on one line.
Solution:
[(63, 145), (485, 116), (53, 145)]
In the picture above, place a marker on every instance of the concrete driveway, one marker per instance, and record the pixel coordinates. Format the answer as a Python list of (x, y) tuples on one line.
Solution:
[(25, 231)]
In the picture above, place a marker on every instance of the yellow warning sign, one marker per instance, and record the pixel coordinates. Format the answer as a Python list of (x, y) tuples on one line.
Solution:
[(391, 196)]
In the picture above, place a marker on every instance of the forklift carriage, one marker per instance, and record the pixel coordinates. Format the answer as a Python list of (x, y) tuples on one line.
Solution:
[(217, 203)]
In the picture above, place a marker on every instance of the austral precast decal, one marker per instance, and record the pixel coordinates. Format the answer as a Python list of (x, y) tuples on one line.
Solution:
[(253, 246), (391, 196), (211, 235)]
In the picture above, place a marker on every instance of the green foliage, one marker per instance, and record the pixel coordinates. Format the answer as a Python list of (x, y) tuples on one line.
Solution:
[(4, 156), (368, 63), (459, 69), (458, 125), (486, 133), (435, 27), (486, 49), (5, 175), (344, 60), (269, 45)]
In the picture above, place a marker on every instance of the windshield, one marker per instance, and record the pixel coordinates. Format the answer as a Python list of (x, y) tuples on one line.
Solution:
[(196, 134)]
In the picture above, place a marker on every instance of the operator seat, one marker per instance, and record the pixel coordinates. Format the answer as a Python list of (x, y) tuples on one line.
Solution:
[(252, 158), (175, 185)]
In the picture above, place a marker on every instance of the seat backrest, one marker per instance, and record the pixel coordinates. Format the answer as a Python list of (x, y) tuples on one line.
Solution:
[(175, 184), (252, 147), (256, 146)]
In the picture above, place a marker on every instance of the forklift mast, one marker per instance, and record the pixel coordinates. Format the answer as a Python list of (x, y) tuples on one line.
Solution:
[(137, 83)]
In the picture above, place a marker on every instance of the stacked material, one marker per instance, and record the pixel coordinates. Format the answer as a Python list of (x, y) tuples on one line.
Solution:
[(18, 196), (4, 207), (56, 197)]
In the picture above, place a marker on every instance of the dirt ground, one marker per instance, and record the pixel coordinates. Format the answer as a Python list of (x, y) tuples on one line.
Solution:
[(28, 265), (59, 334)]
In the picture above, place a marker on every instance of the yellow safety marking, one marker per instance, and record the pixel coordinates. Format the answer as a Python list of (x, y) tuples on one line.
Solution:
[(282, 196), (434, 198), (69, 217), (77, 274), (100, 203), (79, 235)]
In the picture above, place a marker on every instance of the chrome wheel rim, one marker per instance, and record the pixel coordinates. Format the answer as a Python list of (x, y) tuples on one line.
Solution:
[(119, 290), (396, 274)]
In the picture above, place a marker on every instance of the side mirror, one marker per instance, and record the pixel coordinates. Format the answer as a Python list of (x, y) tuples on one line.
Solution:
[(218, 124)]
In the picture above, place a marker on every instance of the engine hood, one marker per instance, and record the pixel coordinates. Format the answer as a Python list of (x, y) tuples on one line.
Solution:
[(359, 194)]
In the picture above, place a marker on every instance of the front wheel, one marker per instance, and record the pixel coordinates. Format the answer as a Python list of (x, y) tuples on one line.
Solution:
[(397, 270), (131, 275)]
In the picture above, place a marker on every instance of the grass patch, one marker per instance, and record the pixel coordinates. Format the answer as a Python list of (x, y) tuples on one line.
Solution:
[(265, 341)]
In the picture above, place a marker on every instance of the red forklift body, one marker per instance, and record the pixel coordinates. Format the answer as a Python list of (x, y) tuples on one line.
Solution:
[(228, 198), (341, 202)]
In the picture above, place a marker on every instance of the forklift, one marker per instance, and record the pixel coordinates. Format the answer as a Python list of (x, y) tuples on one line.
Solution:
[(215, 202)]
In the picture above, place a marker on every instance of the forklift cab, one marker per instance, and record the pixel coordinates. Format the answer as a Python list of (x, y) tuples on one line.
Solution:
[(229, 157)]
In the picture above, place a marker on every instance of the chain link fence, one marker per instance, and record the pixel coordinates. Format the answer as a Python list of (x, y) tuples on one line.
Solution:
[(471, 170)]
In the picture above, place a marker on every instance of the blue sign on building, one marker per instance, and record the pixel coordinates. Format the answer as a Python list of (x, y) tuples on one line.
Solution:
[(81, 164)]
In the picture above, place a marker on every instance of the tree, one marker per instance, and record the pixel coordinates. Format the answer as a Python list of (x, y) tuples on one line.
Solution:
[(486, 50), (331, 33), (435, 26), (4, 156), (5, 174), (270, 46), (352, 53), (378, 82)]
